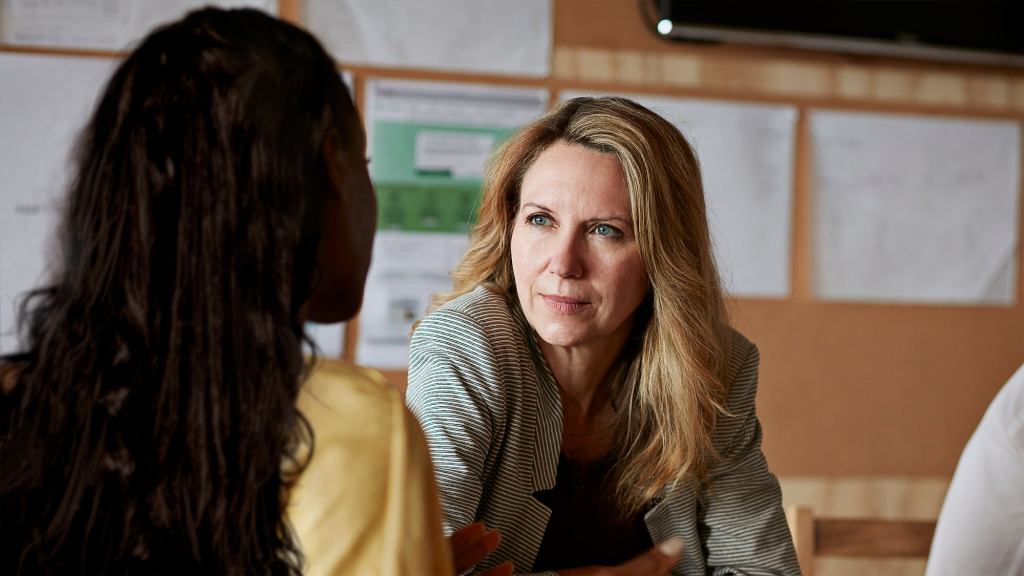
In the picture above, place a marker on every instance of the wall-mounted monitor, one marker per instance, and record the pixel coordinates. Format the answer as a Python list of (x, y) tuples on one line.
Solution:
[(987, 32)]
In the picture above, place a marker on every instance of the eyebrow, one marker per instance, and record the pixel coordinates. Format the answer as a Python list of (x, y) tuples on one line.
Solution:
[(623, 219), (626, 221), (537, 206)]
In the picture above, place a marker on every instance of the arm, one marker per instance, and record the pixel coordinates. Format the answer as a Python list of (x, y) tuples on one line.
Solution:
[(456, 393), (415, 542), (366, 502), (743, 517), (981, 526)]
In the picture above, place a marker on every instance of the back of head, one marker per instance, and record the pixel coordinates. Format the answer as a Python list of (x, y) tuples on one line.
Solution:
[(155, 398)]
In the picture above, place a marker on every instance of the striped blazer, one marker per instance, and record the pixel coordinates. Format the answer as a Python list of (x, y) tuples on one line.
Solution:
[(491, 412)]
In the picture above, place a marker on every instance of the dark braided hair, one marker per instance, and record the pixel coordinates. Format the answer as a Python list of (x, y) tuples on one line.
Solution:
[(153, 416)]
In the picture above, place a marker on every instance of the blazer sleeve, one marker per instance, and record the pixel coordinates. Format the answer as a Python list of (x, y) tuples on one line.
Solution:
[(743, 519), (455, 392)]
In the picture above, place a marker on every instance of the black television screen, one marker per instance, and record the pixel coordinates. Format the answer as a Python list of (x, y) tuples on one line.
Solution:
[(995, 27)]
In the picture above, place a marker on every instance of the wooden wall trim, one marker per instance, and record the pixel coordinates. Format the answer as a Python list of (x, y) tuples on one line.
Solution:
[(793, 80)]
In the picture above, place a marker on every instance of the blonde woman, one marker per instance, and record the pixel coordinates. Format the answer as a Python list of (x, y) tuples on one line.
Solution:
[(581, 389)]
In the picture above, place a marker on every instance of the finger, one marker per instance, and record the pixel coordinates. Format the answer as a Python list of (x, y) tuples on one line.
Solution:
[(503, 569), (657, 560), (467, 535), (473, 553)]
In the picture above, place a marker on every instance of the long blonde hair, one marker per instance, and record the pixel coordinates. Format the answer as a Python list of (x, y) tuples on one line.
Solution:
[(670, 385)]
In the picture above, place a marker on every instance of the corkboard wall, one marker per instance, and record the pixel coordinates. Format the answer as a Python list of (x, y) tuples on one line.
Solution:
[(846, 389)]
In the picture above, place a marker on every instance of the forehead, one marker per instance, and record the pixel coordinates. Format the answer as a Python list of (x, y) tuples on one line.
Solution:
[(570, 175)]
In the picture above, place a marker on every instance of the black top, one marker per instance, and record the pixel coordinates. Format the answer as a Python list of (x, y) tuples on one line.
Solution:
[(584, 528)]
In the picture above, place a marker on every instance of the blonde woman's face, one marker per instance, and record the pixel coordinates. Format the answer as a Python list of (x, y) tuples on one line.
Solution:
[(578, 271)]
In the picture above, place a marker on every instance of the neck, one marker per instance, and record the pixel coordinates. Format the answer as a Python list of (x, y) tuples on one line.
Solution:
[(582, 372), (587, 416)]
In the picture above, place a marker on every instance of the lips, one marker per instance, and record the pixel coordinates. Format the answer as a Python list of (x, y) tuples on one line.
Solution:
[(564, 304)]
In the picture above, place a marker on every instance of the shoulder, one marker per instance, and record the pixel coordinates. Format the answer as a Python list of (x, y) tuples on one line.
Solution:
[(1010, 399), (481, 300), (469, 352), (1005, 415), (369, 479), (359, 420), (482, 309), (738, 420), (741, 366), (340, 399), (339, 379), (481, 321)]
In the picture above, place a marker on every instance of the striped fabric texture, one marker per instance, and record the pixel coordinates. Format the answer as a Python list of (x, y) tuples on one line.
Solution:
[(490, 410)]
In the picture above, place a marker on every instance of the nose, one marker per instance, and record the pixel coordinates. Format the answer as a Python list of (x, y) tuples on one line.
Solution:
[(565, 256)]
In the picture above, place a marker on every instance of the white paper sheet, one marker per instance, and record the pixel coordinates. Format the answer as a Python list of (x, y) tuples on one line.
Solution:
[(913, 209), (409, 268), (428, 143), (97, 24), (481, 36), (461, 155), (44, 102), (746, 157)]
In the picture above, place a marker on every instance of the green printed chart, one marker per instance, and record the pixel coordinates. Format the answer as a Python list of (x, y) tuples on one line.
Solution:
[(429, 143), (428, 176)]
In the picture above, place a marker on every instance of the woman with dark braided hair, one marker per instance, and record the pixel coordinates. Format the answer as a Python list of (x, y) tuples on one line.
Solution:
[(150, 425)]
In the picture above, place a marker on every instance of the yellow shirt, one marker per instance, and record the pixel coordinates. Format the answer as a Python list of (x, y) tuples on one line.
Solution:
[(366, 502)]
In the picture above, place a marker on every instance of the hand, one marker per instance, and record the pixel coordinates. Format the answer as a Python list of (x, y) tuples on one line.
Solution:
[(657, 561), (473, 543)]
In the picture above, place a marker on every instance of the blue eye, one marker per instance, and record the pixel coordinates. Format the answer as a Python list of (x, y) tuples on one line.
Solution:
[(539, 220), (606, 230)]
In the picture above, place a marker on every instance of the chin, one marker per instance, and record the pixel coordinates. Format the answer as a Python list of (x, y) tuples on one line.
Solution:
[(333, 308), (560, 338)]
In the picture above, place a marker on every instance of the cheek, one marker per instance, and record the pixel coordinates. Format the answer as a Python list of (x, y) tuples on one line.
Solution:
[(630, 280), (369, 222), (520, 260), (364, 207)]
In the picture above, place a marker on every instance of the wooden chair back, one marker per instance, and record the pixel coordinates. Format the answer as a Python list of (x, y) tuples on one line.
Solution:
[(864, 538)]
